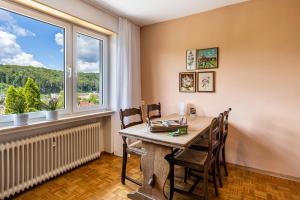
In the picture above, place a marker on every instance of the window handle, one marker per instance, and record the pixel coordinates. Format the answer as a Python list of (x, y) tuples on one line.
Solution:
[(69, 69)]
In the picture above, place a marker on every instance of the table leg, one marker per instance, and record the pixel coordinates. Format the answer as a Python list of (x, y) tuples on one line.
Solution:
[(155, 171)]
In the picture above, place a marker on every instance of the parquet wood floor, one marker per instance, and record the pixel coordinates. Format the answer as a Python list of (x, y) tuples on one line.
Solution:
[(100, 180)]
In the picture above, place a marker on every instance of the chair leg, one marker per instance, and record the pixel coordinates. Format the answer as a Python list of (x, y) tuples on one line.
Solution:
[(194, 185), (124, 163), (224, 161), (186, 171), (205, 184), (219, 171), (171, 180), (214, 178)]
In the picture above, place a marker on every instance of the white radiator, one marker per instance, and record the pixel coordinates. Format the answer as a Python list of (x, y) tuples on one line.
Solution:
[(27, 162)]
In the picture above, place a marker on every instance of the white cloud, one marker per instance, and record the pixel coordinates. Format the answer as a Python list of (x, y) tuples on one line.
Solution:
[(88, 54), (11, 52), (8, 45), (88, 49), (88, 66), (12, 26), (21, 31), (59, 39), (23, 59), (5, 16)]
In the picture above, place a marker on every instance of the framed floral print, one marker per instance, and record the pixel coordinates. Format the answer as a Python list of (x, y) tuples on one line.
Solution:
[(191, 59), (207, 58), (206, 81), (187, 82)]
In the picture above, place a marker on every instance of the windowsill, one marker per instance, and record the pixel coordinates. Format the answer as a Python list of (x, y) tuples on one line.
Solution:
[(8, 128)]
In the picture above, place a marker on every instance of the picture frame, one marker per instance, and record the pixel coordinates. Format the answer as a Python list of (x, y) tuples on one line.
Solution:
[(191, 59), (207, 58), (187, 82), (206, 81)]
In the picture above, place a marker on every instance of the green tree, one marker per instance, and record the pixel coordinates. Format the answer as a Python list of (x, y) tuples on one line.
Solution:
[(15, 101), (48, 80), (32, 95), (61, 100), (93, 98)]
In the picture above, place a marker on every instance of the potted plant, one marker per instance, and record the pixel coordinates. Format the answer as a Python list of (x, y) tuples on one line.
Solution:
[(51, 109), (32, 96), (15, 103)]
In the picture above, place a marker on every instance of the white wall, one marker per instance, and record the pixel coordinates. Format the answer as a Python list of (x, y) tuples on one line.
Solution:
[(84, 11)]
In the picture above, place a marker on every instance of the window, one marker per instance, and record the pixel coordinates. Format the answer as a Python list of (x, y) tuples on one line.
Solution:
[(42, 48), (89, 71)]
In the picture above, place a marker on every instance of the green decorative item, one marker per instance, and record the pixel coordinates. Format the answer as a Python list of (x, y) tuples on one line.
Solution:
[(16, 104), (51, 105), (22, 100), (179, 132), (32, 96), (15, 101)]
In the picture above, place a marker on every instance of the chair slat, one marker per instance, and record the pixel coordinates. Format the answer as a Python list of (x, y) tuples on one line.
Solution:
[(151, 108)]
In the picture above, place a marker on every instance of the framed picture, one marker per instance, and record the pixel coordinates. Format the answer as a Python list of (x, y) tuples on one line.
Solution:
[(191, 59), (206, 81), (187, 82), (207, 58)]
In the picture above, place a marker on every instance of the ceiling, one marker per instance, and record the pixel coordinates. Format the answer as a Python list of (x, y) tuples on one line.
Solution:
[(145, 12)]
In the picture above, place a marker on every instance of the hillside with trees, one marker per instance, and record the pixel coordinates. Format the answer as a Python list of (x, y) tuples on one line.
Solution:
[(48, 80)]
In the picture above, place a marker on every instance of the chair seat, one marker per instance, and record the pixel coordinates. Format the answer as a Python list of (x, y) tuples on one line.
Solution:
[(135, 148), (202, 144), (191, 159)]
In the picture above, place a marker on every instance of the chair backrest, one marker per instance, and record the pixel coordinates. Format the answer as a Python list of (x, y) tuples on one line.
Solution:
[(220, 134), (214, 130), (128, 113), (151, 108), (225, 124)]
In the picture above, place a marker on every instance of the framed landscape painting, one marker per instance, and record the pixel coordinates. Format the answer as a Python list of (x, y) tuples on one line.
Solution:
[(191, 59), (187, 82), (206, 81), (207, 58)]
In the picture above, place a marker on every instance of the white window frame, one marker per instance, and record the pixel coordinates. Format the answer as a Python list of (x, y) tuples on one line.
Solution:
[(99, 36), (68, 54)]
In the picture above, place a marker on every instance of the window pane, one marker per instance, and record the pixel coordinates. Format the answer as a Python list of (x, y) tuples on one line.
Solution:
[(89, 71), (30, 48)]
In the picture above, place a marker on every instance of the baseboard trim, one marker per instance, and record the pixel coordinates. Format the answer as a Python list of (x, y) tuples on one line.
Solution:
[(259, 171), (268, 173)]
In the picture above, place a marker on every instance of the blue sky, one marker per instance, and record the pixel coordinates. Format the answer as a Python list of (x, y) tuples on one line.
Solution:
[(30, 41)]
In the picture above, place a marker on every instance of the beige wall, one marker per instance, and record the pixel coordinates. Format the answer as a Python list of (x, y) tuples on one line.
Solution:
[(258, 76)]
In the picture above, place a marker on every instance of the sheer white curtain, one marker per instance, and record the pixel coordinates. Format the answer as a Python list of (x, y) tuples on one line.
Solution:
[(127, 74), (128, 65)]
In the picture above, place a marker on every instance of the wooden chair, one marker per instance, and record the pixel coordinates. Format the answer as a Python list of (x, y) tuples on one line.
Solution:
[(202, 161), (134, 148), (151, 108), (225, 134), (202, 144)]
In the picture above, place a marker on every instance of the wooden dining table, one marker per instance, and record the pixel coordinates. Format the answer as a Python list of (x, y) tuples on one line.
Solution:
[(156, 146)]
